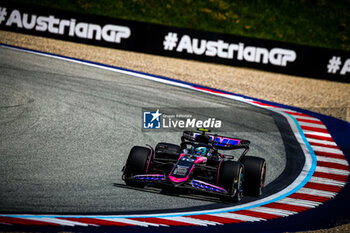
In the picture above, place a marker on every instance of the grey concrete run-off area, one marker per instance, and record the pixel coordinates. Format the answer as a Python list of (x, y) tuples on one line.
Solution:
[(66, 130)]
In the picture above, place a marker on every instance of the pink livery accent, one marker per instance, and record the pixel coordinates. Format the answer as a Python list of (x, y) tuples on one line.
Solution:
[(217, 180), (177, 180), (201, 159), (150, 158)]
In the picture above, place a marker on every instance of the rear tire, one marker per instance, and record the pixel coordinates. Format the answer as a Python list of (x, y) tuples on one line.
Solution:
[(136, 164), (254, 176), (231, 178)]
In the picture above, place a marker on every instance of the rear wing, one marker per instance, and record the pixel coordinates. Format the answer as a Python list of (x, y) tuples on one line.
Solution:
[(219, 142)]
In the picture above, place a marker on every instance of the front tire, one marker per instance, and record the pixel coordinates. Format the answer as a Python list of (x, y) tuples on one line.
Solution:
[(231, 178), (255, 173), (137, 164)]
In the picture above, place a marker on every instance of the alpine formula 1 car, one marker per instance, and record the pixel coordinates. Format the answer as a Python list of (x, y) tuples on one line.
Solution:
[(197, 164)]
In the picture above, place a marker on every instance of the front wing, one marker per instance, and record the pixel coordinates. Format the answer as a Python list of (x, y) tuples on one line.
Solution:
[(190, 184)]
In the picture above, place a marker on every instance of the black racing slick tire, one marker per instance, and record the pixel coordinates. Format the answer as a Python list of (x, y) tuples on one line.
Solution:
[(137, 164), (231, 177), (254, 175)]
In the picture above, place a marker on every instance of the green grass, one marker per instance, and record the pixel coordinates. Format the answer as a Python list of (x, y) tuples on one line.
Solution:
[(323, 23)]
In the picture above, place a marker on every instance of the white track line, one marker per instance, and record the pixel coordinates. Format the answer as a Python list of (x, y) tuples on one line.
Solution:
[(332, 171), (268, 210), (321, 180), (317, 133), (320, 126), (60, 221), (321, 141), (332, 160), (239, 217), (306, 118), (316, 192), (299, 202), (132, 222), (326, 149), (193, 221)]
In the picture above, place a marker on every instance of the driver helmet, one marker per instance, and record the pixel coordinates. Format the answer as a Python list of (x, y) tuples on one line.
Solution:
[(200, 151)]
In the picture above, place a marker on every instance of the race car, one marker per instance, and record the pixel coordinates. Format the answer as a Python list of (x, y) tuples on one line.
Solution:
[(197, 164)]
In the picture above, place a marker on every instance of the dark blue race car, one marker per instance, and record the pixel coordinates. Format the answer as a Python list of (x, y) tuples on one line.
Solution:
[(197, 164)]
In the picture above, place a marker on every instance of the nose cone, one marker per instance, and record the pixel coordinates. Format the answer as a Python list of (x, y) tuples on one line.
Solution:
[(177, 180)]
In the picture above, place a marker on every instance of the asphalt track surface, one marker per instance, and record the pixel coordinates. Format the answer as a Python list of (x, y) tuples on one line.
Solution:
[(66, 130)]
